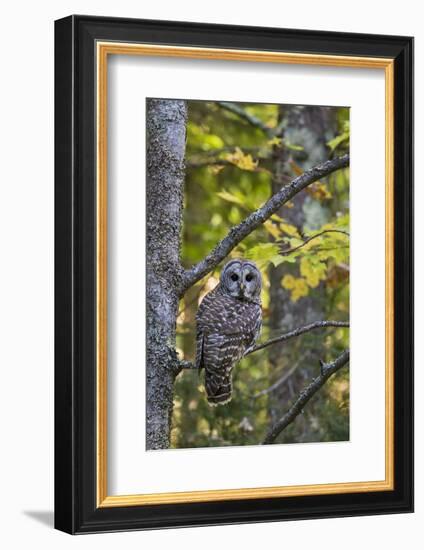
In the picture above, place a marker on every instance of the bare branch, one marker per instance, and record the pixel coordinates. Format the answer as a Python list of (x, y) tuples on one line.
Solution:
[(298, 332), (309, 239), (222, 163), (186, 365), (182, 364), (254, 220), (327, 370), (201, 163), (252, 119), (279, 129), (278, 383), (253, 150), (243, 114)]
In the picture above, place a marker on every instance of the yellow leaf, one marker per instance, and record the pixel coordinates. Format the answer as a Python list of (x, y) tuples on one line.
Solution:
[(319, 191), (216, 169), (312, 280), (313, 272), (272, 229), (230, 198), (295, 242), (289, 229), (242, 161), (300, 289), (275, 141), (343, 306), (288, 282)]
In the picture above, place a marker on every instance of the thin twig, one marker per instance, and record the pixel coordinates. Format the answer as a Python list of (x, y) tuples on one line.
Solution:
[(258, 217), (331, 248), (254, 150), (201, 163), (243, 114), (182, 364), (327, 370), (298, 332), (278, 383), (309, 239), (211, 161), (223, 163), (279, 128)]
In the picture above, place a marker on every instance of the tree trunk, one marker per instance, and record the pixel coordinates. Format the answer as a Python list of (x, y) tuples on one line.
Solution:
[(166, 134), (306, 126)]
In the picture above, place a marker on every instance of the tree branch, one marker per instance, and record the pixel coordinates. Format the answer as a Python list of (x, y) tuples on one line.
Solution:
[(183, 364), (223, 163), (196, 163), (327, 370), (254, 220), (243, 114), (209, 160), (298, 332), (253, 150), (281, 380), (309, 239)]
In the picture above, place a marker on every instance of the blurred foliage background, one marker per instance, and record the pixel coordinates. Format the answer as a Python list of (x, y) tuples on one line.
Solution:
[(234, 163)]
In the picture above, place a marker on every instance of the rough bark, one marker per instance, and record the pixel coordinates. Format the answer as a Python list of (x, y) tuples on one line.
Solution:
[(166, 279), (166, 133), (305, 126)]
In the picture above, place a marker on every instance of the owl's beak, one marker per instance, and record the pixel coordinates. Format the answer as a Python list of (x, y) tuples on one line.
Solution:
[(241, 286)]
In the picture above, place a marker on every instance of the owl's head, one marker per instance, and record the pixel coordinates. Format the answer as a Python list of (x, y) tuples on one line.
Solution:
[(241, 279)]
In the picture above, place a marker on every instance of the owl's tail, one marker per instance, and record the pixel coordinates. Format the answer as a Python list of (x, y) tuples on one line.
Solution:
[(218, 387)]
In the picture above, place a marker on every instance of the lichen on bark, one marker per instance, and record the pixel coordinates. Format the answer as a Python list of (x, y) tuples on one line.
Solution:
[(166, 132), (167, 281)]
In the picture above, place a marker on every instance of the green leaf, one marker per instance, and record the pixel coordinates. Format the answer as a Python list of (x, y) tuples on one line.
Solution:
[(289, 229), (335, 142), (293, 146), (263, 251), (229, 197)]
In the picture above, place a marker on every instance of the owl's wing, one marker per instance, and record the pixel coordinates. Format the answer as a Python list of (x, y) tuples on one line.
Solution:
[(221, 351), (256, 328), (222, 316), (214, 317), (220, 354), (225, 328), (199, 349), (204, 320)]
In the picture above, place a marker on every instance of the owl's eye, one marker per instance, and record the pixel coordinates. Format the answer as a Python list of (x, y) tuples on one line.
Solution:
[(249, 277), (234, 277)]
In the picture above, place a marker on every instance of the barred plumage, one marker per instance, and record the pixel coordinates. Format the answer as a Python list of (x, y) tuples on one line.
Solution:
[(228, 324)]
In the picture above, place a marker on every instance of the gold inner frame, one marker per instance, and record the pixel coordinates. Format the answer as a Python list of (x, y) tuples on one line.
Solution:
[(103, 50)]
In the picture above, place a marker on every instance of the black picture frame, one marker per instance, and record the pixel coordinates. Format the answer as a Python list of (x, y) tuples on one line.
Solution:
[(76, 510)]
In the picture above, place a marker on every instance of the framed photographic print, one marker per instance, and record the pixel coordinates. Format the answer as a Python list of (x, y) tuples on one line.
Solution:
[(234, 272)]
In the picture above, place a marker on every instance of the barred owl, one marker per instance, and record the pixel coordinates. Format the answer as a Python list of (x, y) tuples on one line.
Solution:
[(228, 323)]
